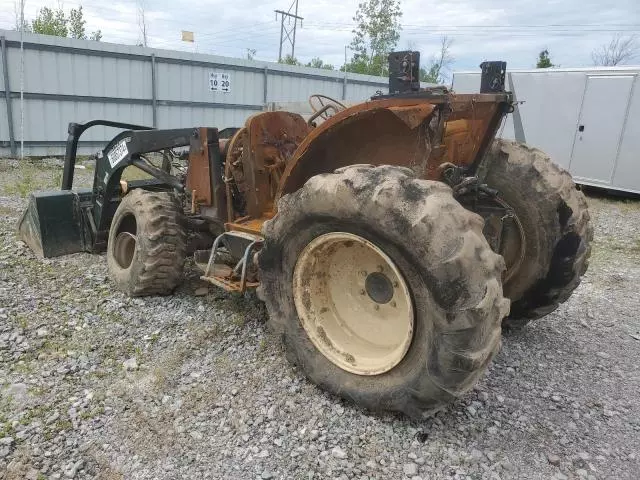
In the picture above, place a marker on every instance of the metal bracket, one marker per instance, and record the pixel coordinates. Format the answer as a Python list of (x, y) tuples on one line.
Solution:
[(230, 282)]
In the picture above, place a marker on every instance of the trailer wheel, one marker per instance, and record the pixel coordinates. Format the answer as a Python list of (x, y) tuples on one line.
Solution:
[(147, 243), (554, 245), (383, 288)]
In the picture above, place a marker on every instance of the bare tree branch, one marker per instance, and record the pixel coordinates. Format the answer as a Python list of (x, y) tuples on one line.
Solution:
[(619, 50), (439, 64), (142, 22)]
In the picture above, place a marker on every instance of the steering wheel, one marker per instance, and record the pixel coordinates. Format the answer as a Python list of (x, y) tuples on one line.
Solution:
[(321, 104)]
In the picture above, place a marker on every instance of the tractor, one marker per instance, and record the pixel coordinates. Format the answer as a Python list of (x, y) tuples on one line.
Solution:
[(391, 240)]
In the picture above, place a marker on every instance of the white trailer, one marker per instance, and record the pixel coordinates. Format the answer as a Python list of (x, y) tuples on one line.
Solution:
[(586, 119)]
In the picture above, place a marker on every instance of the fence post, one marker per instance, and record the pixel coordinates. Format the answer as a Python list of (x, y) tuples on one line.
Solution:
[(266, 73), (154, 94), (7, 95), (344, 84)]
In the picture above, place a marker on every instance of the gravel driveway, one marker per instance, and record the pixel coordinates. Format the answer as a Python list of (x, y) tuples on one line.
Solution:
[(97, 385)]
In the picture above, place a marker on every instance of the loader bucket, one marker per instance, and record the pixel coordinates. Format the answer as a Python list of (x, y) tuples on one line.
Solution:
[(53, 224)]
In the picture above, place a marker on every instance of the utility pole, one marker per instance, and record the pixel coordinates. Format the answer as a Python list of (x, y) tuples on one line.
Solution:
[(288, 32), (21, 80)]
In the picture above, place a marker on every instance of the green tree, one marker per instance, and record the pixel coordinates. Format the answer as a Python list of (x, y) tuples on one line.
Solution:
[(50, 22), (543, 60), (56, 23), (375, 36), (317, 62), (289, 60), (77, 23), (439, 64)]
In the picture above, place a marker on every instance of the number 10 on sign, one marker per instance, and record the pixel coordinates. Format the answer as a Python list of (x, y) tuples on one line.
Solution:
[(219, 82)]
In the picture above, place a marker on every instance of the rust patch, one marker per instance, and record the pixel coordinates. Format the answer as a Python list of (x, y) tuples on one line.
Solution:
[(199, 172), (413, 115)]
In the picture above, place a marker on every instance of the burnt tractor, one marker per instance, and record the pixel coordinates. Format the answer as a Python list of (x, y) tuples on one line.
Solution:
[(390, 240)]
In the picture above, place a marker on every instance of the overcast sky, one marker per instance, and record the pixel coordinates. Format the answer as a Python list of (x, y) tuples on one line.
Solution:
[(514, 30)]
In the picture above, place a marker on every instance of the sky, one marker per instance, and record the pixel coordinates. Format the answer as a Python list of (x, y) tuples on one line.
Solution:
[(514, 31)]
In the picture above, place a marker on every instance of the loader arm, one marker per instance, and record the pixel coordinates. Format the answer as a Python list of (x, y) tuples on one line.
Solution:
[(68, 221)]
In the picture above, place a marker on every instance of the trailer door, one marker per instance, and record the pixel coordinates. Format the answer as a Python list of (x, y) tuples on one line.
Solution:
[(599, 129)]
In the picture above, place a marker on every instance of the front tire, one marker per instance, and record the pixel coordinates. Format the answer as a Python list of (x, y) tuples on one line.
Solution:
[(147, 244), (437, 250)]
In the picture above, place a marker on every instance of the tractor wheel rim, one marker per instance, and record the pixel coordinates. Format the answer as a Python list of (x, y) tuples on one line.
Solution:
[(353, 303), (124, 249)]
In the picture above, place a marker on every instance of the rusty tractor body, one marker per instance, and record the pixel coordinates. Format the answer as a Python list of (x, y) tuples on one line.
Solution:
[(340, 193)]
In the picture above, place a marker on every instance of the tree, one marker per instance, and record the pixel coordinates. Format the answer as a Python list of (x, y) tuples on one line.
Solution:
[(77, 23), (289, 60), (619, 50), (56, 23), (543, 60), (376, 34), (439, 64), (50, 22), (251, 53), (317, 62)]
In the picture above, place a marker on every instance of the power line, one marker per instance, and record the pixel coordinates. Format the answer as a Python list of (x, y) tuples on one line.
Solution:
[(403, 25)]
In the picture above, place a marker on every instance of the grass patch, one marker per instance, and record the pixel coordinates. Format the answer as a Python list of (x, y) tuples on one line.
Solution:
[(610, 248), (89, 414), (22, 187), (597, 201), (23, 367), (7, 211), (31, 176), (134, 173), (61, 425), (7, 430), (39, 412), (22, 320)]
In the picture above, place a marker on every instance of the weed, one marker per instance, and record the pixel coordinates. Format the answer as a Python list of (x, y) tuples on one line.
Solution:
[(89, 414), (57, 178), (22, 321), (24, 367), (7, 430), (61, 425)]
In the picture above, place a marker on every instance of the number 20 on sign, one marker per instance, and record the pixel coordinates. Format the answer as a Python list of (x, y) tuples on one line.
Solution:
[(219, 82)]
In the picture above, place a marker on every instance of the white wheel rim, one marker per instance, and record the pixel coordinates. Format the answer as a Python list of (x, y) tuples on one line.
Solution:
[(353, 303)]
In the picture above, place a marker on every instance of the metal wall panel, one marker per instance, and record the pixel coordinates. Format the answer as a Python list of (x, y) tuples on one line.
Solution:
[(68, 80), (626, 174), (550, 113)]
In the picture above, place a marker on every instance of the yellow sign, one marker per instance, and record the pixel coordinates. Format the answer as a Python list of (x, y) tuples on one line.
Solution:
[(187, 36)]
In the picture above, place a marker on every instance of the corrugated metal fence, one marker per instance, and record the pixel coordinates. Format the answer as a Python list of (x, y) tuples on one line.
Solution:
[(67, 80)]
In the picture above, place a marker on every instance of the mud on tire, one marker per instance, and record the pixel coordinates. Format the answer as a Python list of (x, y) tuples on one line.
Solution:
[(453, 276), (152, 264), (555, 220)]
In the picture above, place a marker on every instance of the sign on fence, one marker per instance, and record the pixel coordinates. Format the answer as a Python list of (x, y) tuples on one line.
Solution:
[(219, 82)]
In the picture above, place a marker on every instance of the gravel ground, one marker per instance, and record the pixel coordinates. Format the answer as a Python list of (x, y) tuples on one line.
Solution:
[(97, 385)]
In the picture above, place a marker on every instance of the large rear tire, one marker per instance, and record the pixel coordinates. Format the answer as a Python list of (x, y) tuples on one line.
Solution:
[(365, 245), (556, 232), (147, 243)]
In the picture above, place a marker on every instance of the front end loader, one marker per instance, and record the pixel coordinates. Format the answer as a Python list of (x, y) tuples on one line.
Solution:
[(390, 240)]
